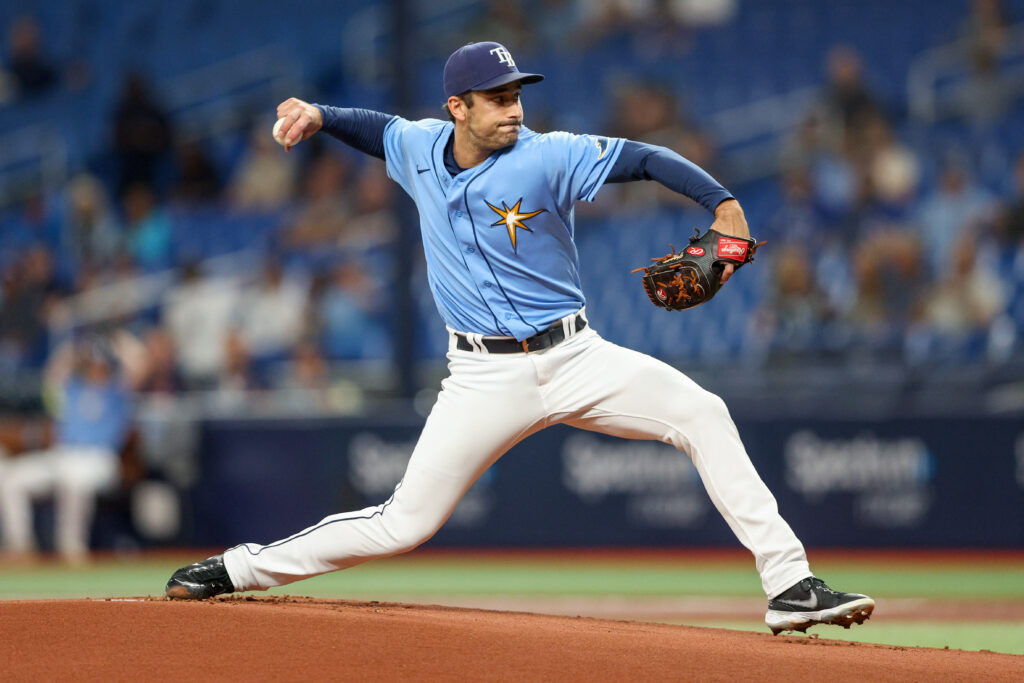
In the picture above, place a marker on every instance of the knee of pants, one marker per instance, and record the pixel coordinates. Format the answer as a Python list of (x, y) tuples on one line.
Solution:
[(709, 408), (408, 531)]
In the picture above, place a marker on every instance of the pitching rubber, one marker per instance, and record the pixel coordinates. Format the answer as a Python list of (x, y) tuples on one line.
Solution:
[(845, 615)]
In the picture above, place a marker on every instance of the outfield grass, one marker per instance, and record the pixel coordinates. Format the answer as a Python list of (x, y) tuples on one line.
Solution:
[(426, 576), (465, 575), (996, 636)]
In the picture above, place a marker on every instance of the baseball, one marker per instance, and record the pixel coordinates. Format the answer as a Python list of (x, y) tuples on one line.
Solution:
[(277, 130)]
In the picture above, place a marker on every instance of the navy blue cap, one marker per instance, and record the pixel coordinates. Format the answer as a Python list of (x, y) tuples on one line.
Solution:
[(482, 66)]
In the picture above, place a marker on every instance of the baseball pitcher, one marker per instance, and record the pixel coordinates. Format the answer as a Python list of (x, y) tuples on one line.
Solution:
[(496, 201)]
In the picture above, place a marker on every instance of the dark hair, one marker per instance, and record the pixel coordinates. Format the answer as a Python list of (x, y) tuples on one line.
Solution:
[(465, 97)]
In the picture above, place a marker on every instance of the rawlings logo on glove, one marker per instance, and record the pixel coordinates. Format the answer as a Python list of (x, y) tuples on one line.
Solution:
[(687, 279)]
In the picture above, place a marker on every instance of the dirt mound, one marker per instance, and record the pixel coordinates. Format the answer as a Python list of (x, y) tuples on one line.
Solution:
[(286, 638)]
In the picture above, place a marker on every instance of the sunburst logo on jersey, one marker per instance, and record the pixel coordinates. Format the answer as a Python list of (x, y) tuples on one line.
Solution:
[(511, 218)]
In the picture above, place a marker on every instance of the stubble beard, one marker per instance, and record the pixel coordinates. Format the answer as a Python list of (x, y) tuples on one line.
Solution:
[(499, 138)]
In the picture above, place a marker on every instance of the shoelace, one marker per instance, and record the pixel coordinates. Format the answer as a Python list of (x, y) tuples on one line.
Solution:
[(815, 582)]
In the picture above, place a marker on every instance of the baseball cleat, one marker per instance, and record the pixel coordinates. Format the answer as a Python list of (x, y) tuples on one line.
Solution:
[(811, 602), (200, 581)]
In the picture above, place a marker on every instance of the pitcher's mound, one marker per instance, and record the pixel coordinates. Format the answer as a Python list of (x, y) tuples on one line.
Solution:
[(284, 638)]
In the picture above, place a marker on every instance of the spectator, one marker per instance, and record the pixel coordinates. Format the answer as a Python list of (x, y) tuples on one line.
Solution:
[(798, 219), (1011, 222), (653, 28), (816, 150), (197, 313), (652, 114), (160, 374), (889, 275), (890, 168), (703, 12), (604, 18), (236, 374), (955, 209), (93, 416), (91, 232), (847, 103), (845, 142), (374, 222), (798, 309), (986, 27), (27, 291), (646, 112), (558, 29), (271, 313), (34, 224), (306, 386), (968, 297), (265, 178), (33, 75), (149, 228), (985, 97), (506, 23), (989, 92), (309, 370), (142, 134), (326, 205), (346, 315), (236, 378)]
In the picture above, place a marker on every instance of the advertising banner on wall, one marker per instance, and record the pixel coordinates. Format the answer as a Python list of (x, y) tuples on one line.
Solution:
[(841, 483)]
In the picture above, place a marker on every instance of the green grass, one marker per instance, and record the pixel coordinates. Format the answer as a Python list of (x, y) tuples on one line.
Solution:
[(465, 575), (427, 576), (595, 577), (996, 636)]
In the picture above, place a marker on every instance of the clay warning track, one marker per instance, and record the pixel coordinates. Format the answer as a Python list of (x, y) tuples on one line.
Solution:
[(284, 638)]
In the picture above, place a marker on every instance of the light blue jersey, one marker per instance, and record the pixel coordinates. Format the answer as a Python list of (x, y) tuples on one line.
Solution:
[(97, 415), (498, 237)]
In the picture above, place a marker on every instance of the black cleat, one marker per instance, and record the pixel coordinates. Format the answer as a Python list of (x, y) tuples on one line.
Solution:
[(200, 581), (811, 602)]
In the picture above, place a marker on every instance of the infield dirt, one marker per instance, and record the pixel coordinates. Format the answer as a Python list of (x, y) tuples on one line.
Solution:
[(286, 638)]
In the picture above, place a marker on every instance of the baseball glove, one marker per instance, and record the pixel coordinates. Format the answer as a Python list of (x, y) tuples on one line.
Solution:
[(691, 277)]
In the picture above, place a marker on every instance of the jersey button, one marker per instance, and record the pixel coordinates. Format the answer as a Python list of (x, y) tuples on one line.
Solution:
[(470, 250), (458, 214), (487, 283), (508, 316)]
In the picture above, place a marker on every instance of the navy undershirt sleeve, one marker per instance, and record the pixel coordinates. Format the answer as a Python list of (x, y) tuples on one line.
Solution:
[(640, 161), (362, 129)]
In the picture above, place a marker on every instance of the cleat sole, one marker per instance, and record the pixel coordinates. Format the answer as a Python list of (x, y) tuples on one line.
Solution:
[(856, 612)]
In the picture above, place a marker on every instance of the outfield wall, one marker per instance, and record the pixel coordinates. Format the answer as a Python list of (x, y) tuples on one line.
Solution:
[(899, 483)]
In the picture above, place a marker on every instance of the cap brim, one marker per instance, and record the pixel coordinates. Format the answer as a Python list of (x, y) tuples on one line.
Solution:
[(510, 77)]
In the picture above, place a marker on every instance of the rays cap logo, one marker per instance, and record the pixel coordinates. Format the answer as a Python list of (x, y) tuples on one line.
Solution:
[(482, 66)]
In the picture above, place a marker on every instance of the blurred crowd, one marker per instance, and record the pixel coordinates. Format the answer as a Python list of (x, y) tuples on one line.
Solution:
[(874, 240), (310, 300), (877, 242), (310, 290), (872, 243), (881, 246)]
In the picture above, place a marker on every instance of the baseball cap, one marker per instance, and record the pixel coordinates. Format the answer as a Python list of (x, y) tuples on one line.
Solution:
[(482, 66)]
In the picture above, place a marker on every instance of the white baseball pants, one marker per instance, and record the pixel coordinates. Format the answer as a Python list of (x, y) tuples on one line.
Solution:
[(489, 403), (74, 475)]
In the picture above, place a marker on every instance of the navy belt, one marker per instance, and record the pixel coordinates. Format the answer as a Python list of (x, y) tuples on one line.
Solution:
[(542, 340)]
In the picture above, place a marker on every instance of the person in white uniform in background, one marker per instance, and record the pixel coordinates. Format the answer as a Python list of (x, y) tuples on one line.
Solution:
[(88, 388)]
